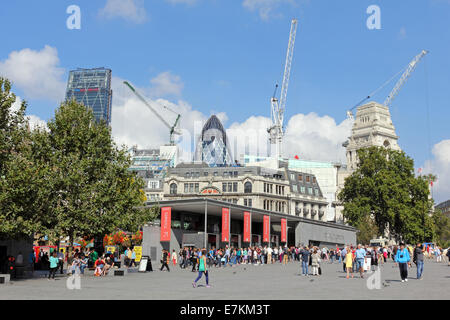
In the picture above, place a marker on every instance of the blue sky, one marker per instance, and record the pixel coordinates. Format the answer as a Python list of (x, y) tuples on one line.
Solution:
[(226, 56)]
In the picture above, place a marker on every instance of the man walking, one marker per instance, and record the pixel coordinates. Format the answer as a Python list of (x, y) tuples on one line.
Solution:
[(402, 258), (61, 260), (418, 260), (342, 255), (360, 255), (304, 253), (165, 260)]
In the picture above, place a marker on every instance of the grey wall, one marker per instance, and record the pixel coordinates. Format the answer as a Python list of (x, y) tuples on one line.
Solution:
[(327, 235), (13, 247), (151, 246)]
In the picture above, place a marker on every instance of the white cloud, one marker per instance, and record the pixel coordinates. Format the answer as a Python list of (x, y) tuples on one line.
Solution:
[(266, 8), (133, 123), (440, 166), (131, 10), (36, 73), (166, 84), (309, 136)]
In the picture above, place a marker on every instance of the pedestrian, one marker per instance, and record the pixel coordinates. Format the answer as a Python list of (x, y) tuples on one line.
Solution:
[(437, 253), (76, 263), (402, 257), (174, 257), (165, 260), (315, 260), (61, 260), (360, 255), (202, 269), (348, 261), (304, 253), (194, 259), (133, 258), (54, 262), (418, 260), (99, 265), (343, 253), (83, 263)]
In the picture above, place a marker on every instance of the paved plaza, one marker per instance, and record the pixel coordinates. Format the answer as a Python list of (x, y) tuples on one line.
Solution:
[(241, 282)]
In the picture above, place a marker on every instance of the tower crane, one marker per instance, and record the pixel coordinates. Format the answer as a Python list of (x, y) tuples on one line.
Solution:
[(172, 129), (407, 71), (278, 107)]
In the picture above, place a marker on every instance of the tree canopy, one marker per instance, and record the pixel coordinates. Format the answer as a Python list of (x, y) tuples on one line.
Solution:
[(69, 179), (385, 192)]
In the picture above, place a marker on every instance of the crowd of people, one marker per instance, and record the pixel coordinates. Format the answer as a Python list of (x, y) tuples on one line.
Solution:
[(354, 259)]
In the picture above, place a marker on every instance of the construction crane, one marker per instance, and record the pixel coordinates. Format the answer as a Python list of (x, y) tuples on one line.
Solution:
[(172, 129), (407, 71), (278, 107)]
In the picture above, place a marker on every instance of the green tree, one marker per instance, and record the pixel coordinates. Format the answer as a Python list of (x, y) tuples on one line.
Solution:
[(94, 193), (23, 185), (442, 228), (385, 190)]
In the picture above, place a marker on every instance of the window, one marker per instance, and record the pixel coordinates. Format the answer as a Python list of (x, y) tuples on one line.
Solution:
[(314, 180), (247, 187), (300, 177), (310, 191), (225, 174), (245, 202), (224, 187), (265, 187), (196, 188), (307, 178), (235, 201), (292, 176), (205, 173), (230, 187), (215, 174), (186, 187), (173, 188), (197, 174), (188, 174), (302, 189), (235, 173), (316, 191), (250, 204), (271, 188), (234, 186), (294, 188), (191, 187)]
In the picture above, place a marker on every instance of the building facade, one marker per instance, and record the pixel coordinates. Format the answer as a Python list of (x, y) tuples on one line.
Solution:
[(92, 88), (283, 191), (372, 126)]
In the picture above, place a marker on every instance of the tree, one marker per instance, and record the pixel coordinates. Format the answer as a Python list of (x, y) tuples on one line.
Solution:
[(442, 227), (94, 193), (385, 190), (23, 185)]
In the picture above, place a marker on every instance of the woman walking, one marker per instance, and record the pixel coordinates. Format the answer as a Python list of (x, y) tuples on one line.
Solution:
[(202, 269), (348, 260)]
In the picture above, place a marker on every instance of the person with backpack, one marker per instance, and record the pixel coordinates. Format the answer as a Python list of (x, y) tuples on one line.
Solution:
[(202, 269)]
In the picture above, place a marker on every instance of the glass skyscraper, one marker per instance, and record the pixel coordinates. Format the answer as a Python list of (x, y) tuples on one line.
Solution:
[(92, 87), (212, 147)]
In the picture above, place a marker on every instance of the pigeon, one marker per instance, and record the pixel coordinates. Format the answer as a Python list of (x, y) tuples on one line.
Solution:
[(234, 272)]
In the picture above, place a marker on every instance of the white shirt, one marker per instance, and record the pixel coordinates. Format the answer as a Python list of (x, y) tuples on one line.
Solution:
[(269, 250)]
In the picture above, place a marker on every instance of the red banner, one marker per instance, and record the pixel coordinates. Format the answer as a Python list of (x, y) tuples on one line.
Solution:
[(283, 230), (266, 229), (166, 213), (225, 225), (247, 227)]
